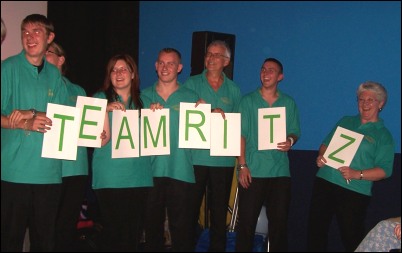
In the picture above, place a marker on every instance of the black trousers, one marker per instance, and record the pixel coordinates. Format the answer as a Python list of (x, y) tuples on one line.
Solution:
[(121, 212), (218, 181), (73, 194), (29, 205), (175, 197), (350, 209), (275, 193)]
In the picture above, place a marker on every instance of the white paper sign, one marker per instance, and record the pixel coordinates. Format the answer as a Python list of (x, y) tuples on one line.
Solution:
[(125, 134), (61, 140), (271, 127), (155, 132), (93, 117), (342, 147), (225, 134), (195, 126)]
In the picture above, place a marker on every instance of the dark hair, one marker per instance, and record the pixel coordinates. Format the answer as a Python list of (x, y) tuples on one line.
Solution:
[(38, 19), (277, 62), (108, 88)]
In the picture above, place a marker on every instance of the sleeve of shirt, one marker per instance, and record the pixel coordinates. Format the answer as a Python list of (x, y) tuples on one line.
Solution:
[(5, 88), (385, 153), (293, 120)]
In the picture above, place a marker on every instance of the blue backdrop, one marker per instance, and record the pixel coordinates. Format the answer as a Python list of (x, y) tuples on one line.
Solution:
[(327, 49)]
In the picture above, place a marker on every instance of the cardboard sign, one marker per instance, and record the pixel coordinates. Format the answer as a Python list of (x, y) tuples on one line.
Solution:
[(225, 134), (342, 147), (61, 140), (271, 127)]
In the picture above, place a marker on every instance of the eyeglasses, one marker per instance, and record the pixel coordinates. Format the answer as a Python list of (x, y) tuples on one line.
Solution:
[(216, 55), (52, 52), (120, 70), (367, 101)]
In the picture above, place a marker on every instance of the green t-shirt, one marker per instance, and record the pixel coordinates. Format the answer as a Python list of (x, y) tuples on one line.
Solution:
[(179, 164), (266, 163), (108, 172), (22, 87), (80, 165), (375, 150), (227, 98)]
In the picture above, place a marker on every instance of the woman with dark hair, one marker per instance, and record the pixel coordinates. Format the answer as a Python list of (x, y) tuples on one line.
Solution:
[(121, 185)]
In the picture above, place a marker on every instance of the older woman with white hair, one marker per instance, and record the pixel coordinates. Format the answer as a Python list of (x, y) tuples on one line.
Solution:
[(346, 191)]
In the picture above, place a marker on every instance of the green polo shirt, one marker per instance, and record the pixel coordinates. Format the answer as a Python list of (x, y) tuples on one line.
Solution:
[(179, 164), (376, 150), (108, 172), (227, 98), (80, 165), (266, 163), (22, 87)]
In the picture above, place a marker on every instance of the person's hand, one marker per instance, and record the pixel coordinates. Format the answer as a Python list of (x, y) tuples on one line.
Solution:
[(115, 106), (200, 101), (347, 173), (17, 115), (155, 106), (245, 179), (103, 135), (321, 161), (219, 110), (41, 123), (397, 231), (284, 146)]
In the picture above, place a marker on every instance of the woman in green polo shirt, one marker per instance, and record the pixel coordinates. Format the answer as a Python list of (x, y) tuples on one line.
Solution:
[(345, 192)]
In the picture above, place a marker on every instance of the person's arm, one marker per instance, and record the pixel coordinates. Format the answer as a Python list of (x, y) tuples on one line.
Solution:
[(244, 175), (397, 231), (15, 119), (321, 161), (373, 174)]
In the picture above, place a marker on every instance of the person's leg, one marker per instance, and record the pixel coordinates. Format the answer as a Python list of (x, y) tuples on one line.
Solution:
[(278, 192), (201, 178), (180, 211), (45, 203), (351, 212), (15, 208), (250, 203), (219, 186), (320, 216), (155, 216), (73, 193)]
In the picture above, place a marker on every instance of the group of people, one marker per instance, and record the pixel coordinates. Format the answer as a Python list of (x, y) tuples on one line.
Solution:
[(136, 194)]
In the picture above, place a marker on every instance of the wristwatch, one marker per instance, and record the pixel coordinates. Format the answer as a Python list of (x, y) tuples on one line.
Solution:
[(34, 112), (241, 166)]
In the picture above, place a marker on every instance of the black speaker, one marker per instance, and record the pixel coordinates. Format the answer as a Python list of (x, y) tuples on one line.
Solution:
[(201, 41)]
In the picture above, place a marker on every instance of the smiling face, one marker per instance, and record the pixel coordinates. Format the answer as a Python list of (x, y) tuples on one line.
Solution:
[(369, 106), (35, 41), (270, 74), (216, 58), (121, 76), (168, 67)]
